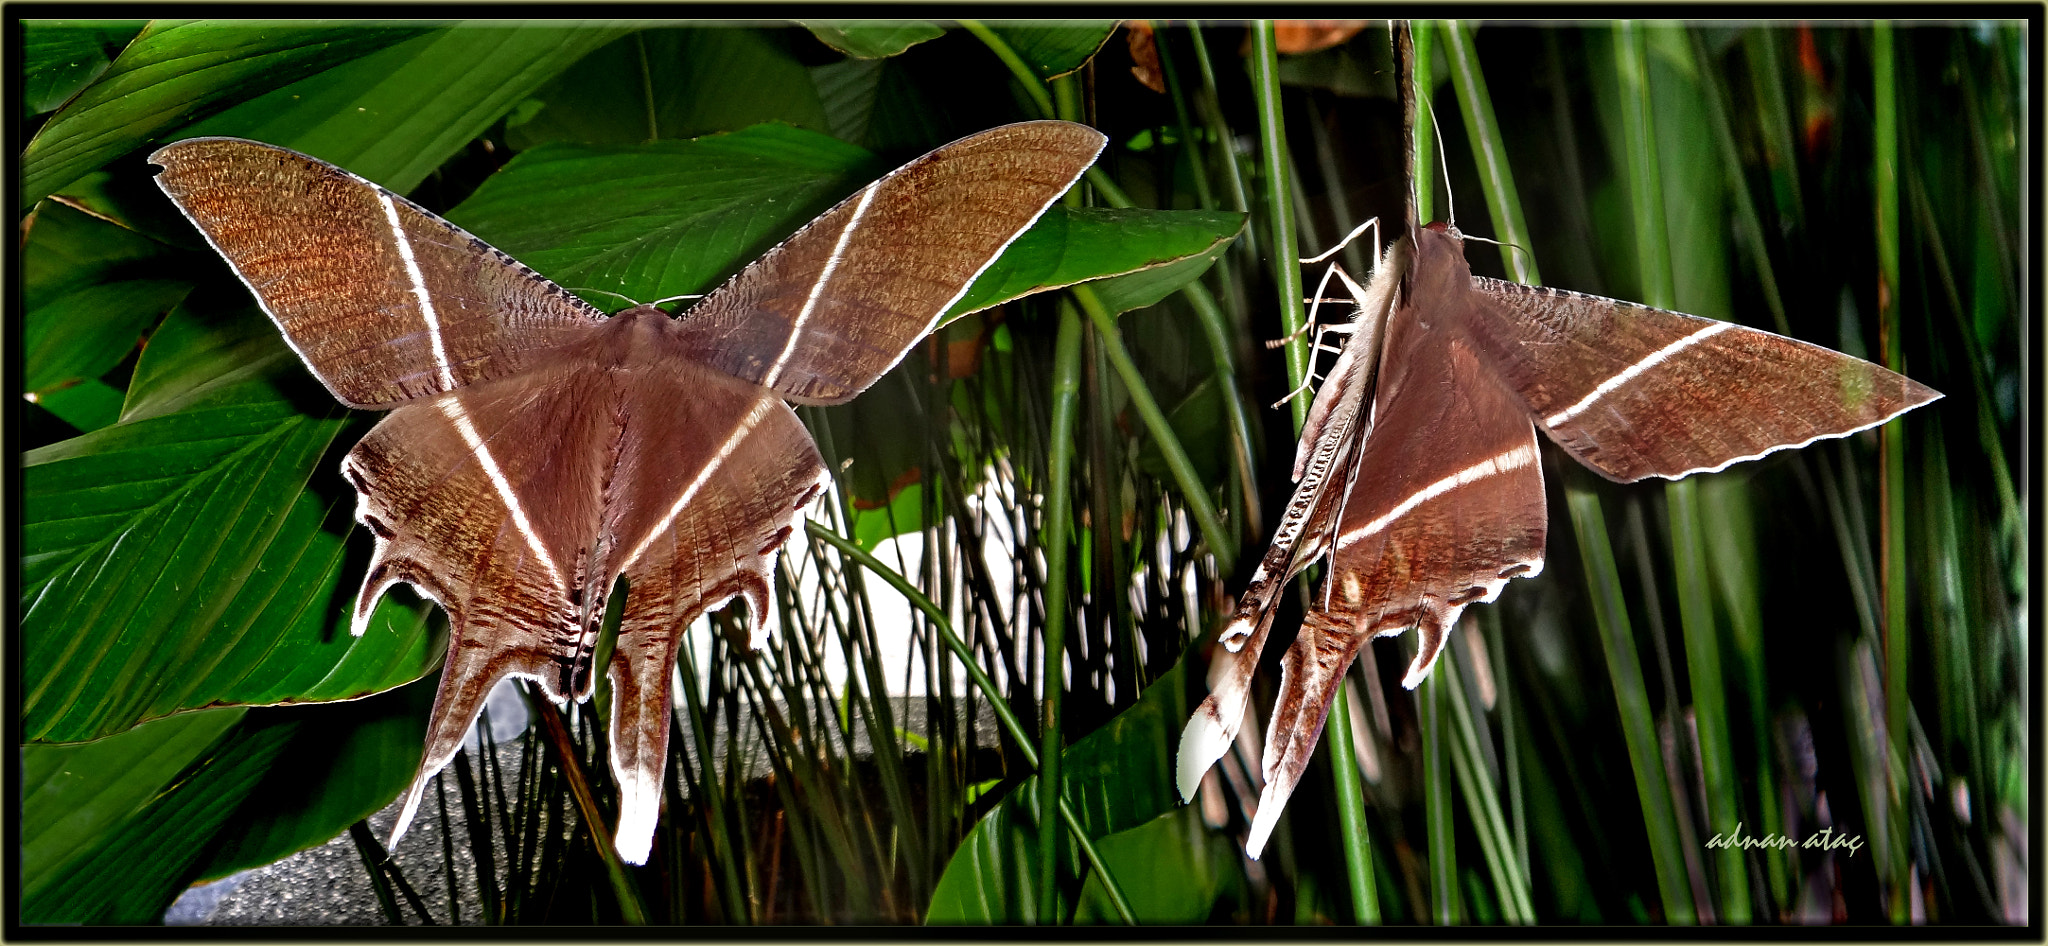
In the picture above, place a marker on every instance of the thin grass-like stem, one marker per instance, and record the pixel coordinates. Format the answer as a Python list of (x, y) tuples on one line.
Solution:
[(1891, 490), (1278, 203), (989, 690), (1194, 492), (1066, 397)]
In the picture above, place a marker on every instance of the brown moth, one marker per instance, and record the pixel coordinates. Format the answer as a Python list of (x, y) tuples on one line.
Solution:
[(1420, 481), (536, 450)]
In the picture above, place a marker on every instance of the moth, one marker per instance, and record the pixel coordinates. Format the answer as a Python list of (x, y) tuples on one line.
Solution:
[(1417, 467), (536, 450)]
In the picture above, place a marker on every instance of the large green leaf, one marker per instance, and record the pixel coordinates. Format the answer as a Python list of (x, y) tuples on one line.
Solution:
[(1053, 49), (1117, 778), (395, 115), (1172, 870), (129, 871), (90, 288), (176, 561), (669, 84), (663, 218), (175, 72), (873, 39), (59, 57), (674, 217), (1161, 249), (87, 404), (345, 761), (74, 797)]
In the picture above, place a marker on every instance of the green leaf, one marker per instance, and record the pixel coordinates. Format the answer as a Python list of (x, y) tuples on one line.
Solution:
[(176, 561), (1055, 49), (904, 513), (206, 346), (667, 84), (90, 288), (664, 218), (88, 330), (59, 57), (73, 797), (1072, 245), (1117, 777), (132, 870), (175, 72), (345, 762), (396, 115), (1172, 869), (1148, 285), (87, 404), (872, 39)]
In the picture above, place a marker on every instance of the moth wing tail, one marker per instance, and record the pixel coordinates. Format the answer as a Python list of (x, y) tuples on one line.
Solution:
[(642, 666), (1309, 677), (1214, 725), (467, 677)]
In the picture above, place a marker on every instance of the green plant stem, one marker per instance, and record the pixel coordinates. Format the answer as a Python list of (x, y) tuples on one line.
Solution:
[(1436, 814), (1511, 740), (1632, 699), (1233, 175), (1357, 840), (1709, 696), (1891, 489), (1482, 800), (1066, 397), (1279, 205), (1656, 272), (1178, 96), (1042, 99), (1059, 513), (1025, 76), (1489, 151), (988, 688), (1423, 173), (1278, 199), (1645, 183), (1194, 492), (557, 735), (1216, 331), (372, 855)]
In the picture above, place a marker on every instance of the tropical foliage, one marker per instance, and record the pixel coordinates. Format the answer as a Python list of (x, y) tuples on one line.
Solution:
[(1039, 516)]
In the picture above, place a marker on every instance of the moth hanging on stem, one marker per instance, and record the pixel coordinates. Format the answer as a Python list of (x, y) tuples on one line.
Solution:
[(1417, 473)]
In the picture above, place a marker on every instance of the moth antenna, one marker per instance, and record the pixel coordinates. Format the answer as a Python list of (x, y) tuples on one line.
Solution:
[(630, 301), (687, 295), (1513, 246), (1443, 162)]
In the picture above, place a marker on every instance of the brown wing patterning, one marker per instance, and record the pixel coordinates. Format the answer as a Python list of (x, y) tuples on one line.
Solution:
[(825, 313), (384, 301)]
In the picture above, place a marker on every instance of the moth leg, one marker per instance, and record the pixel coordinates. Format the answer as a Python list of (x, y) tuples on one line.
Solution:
[(1355, 294), (1372, 224)]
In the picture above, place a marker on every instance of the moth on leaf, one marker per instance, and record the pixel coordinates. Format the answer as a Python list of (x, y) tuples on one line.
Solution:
[(536, 450), (1417, 468)]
